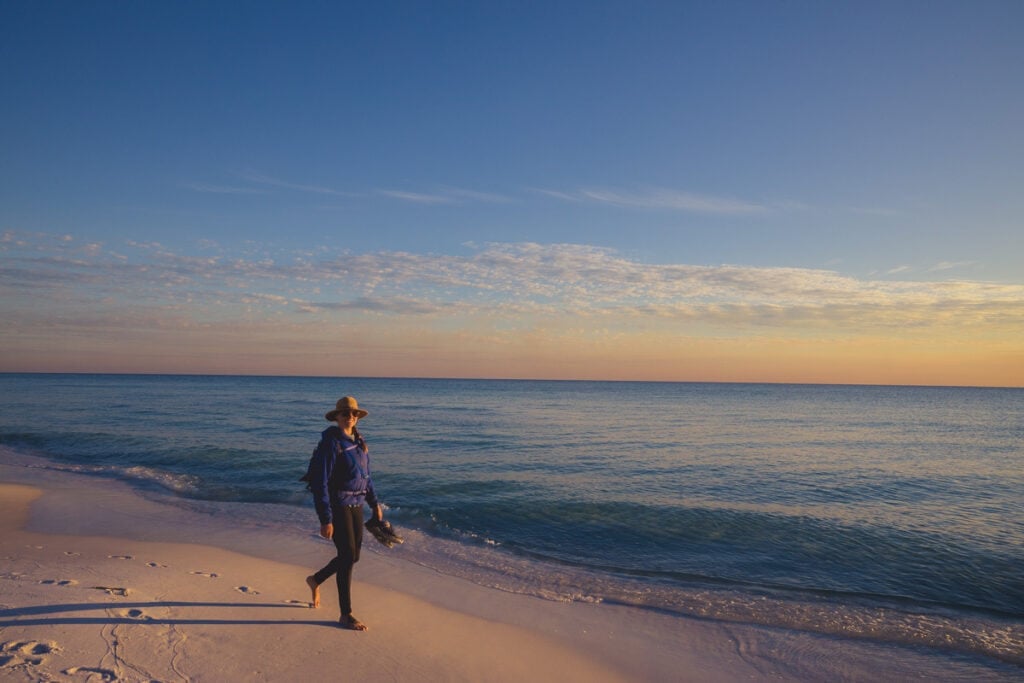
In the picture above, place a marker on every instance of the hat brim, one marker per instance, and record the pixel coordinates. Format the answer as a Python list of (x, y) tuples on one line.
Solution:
[(360, 413)]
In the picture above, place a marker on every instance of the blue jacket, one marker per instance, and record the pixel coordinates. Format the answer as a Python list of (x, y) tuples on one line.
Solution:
[(339, 474)]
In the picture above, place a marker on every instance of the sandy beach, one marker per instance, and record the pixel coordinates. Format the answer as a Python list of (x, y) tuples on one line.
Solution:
[(93, 606), (101, 583)]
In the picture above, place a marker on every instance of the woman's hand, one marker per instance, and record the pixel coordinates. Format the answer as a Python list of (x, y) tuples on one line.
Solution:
[(327, 531)]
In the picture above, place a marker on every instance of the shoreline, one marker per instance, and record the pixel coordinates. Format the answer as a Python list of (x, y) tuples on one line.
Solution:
[(127, 609), (139, 589), (568, 380)]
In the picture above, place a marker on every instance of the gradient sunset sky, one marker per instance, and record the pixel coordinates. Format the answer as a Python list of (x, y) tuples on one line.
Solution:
[(714, 191)]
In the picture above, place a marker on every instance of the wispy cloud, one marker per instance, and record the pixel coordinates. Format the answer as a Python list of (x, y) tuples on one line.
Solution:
[(446, 195), (261, 179), (417, 197), (391, 305), (555, 194), (222, 189), (511, 282), (950, 265), (520, 309), (476, 196), (661, 198), (261, 183)]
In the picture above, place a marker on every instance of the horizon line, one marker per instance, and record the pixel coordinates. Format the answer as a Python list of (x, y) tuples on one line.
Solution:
[(510, 379)]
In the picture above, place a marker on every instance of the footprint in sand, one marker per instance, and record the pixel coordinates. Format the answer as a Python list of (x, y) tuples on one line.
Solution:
[(209, 575), (90, 671), (59, 582), (132, 614), (247, 589), (15, 653), (113, 590)]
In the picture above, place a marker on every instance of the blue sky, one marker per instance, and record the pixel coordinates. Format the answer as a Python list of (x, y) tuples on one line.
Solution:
[(875, 144)]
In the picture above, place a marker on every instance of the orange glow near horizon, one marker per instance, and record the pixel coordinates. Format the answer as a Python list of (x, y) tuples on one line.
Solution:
[(628, 357), (521, 311)]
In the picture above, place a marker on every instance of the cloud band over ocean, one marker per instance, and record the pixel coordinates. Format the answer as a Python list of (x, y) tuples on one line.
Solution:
[(54, 284)]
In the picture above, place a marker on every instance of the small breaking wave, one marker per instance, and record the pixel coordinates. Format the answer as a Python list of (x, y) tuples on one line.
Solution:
[(180, 484)]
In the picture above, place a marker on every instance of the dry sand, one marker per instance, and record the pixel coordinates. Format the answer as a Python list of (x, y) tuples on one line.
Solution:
[(95, 607), (101, 583)]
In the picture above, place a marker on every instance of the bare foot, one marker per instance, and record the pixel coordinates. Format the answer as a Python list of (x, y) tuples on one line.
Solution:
[(315, 588), (351, 623)]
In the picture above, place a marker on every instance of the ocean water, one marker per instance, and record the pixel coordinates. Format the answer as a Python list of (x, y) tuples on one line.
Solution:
[(884, 514)]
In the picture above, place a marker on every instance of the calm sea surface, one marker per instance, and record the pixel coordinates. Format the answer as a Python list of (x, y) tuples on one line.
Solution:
[(885, 513)]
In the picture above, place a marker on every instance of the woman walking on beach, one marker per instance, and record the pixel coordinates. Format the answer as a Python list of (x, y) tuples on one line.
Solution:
[(339, 477)]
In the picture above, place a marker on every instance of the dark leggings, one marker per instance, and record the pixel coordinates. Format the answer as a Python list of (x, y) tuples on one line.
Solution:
[(348, 539)]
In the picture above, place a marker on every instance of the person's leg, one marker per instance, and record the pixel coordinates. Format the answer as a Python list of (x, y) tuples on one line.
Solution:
[(357, 532), (314, 587), (347, 540), (314, 580), (327, 572), (348, 553)]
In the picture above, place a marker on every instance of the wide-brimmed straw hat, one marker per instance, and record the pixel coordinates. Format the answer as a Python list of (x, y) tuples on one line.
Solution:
[(346, 403)]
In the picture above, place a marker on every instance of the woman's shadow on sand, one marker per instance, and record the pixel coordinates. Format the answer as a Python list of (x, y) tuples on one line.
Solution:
[(140, 613)]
